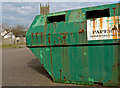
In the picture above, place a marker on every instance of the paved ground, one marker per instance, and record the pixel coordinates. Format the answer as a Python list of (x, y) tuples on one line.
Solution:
[(21, 68)]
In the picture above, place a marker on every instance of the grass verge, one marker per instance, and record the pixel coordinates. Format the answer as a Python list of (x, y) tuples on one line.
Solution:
[(10, 46)]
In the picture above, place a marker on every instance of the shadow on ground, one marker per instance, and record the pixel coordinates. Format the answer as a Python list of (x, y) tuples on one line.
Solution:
[(36, 65)]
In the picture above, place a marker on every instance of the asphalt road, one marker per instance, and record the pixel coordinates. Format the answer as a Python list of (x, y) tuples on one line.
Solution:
[(21, 68)]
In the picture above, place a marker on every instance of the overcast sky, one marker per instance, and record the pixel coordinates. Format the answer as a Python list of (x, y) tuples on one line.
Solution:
[(24, 12)]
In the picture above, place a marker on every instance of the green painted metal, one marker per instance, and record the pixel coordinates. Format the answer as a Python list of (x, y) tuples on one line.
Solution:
[(67, 55)]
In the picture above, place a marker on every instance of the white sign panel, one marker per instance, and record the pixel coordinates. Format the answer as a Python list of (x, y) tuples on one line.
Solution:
[(103, 28)]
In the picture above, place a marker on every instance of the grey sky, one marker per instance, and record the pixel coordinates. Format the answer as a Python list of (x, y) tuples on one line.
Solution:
[(24, 12)]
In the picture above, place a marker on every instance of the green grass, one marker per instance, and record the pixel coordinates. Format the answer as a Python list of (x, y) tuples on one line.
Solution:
[(10, 46)]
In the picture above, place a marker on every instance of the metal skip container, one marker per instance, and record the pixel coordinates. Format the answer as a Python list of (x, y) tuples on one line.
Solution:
[(79, 46)]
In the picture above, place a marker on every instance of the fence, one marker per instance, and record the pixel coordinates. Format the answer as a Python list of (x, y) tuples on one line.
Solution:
[(7, 41)]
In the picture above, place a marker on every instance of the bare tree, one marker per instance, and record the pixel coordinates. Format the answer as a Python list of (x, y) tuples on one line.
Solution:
[(18, 30), (4, 25)]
